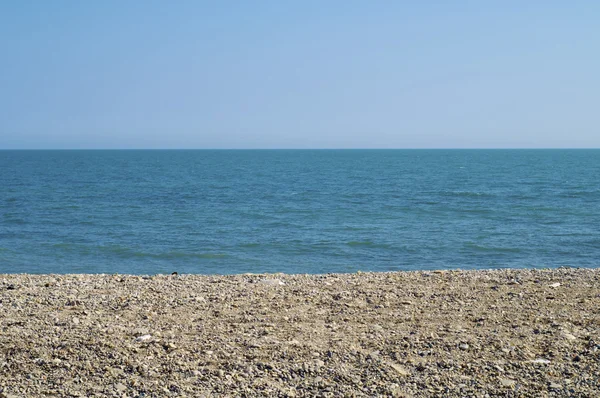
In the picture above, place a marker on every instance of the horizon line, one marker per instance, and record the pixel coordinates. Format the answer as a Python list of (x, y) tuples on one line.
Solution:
[(295, 149)]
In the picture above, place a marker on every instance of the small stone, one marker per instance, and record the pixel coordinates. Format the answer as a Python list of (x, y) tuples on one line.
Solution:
[(541, 360), (555, 285), (120, 388), (140, 331), (76, 321), (271, 282), (144, 339), (555, 386), (400, 370), (569, 336), (464, 346), (374, 355), (508, 383), (170, 346)]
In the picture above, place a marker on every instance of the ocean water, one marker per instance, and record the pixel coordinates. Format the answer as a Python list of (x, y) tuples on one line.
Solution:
[(297, 211)]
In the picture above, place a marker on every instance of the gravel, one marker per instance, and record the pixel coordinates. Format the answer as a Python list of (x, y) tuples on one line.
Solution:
[(500, 333)]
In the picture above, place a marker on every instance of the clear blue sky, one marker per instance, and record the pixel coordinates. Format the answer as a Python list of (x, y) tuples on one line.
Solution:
[(299, 74)]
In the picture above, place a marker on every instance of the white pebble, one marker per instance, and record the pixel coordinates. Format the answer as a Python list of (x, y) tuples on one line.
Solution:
[(144, 338), (271, 282), (541, 360)]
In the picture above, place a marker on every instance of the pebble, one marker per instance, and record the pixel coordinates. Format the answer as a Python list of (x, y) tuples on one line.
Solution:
[(144, 338), (271, 282), (541, 360), (464, 346), (170, 346), (508, 383), (400, 370)]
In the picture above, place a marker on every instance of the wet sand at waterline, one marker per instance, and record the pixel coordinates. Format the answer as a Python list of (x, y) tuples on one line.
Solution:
[(446, 334)]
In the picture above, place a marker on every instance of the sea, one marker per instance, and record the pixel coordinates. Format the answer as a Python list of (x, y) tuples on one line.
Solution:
[(297, 211)]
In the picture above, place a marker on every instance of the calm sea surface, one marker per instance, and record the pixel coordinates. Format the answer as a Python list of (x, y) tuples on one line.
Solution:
[(313, 211)]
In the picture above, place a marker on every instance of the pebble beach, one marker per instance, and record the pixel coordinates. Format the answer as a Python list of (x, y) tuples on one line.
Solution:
[(497, 333)]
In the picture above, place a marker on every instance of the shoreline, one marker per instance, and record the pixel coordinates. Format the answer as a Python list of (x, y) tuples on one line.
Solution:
[(357, 272), (502, 332)]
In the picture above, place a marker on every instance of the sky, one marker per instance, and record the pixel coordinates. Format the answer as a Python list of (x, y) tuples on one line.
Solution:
[(299, 74)]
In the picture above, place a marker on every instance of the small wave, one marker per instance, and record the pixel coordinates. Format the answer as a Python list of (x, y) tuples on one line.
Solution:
[(283, 224), (359, 243), (426, 202), (592, 242), (250, 245), (129, 253), (65, 246), (65, 207), (538, 208), (475, 211), (352, 228), (368, 243), (523, 197), (579, 194), (493, 249), (256, 215), (467, 194), (167, 255), (15, 221)]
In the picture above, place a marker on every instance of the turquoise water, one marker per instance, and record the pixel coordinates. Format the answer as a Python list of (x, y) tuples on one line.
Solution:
[(314, 211)]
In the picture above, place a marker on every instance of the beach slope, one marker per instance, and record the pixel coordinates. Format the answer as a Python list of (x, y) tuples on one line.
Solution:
[(405, 334)]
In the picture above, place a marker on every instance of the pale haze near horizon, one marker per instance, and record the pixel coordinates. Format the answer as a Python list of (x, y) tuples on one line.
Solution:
[(310, 74)]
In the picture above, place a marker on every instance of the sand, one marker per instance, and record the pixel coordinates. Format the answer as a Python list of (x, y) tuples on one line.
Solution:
[(510, 333)]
